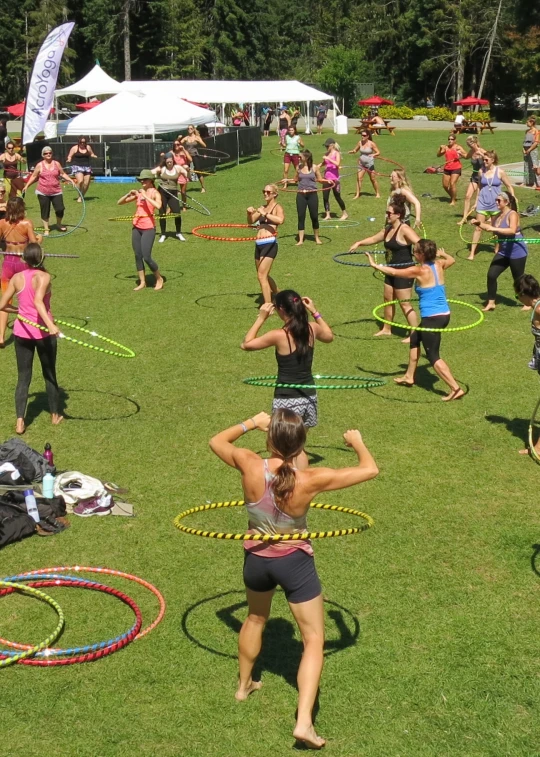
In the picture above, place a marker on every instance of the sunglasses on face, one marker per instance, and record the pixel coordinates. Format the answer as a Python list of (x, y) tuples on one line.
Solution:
[(46, 153), (390, 213), (267, 192)]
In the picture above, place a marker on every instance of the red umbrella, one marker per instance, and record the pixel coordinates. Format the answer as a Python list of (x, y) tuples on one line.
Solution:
[(375, 100), (88, 106), (18, 110), (470, 101)]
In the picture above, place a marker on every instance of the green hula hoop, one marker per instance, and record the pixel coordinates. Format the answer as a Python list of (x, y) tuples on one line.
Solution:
[(361, 382), (534, 453), (277, 537), (51, 638), (407, 327), (128, 353)]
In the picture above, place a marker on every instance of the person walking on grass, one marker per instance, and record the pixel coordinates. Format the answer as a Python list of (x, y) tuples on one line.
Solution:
[(278, 491)]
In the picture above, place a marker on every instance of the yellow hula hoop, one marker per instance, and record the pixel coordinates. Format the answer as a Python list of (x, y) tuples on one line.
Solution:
[(267, 537)]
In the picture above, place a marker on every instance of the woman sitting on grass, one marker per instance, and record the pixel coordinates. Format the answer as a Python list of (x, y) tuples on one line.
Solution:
[(277, 495)]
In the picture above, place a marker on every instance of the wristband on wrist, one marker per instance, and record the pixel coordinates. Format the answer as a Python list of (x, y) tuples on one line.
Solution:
[(244, 428), (254, 424), (316, 315)]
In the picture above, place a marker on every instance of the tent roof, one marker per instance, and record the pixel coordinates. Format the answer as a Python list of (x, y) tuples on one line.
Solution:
[(96, 82), (136, 113), (231, 91)]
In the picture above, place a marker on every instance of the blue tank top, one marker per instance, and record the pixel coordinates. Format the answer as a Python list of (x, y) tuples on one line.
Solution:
[(432, 300), (490, 187), (512, 250)]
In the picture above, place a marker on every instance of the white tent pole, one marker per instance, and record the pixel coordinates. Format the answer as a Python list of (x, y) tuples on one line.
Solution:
[(237, 147), (223, 113), (308, 126), (335, 109)]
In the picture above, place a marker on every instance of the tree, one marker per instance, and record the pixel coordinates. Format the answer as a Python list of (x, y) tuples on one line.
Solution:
[(343, 70)]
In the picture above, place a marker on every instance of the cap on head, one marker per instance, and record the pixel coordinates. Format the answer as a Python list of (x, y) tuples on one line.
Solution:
[(170, 155), (146, 173), (329, 142)]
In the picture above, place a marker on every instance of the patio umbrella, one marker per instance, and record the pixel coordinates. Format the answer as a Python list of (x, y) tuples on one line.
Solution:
[(375, 100), (89, 105), (18, 110), (468, 102)]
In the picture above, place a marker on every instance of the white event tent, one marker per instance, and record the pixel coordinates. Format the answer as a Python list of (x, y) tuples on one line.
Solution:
[(96, 82), (137, 113)]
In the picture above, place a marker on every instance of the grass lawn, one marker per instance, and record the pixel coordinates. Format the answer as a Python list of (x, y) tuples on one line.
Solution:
[(432, 615)]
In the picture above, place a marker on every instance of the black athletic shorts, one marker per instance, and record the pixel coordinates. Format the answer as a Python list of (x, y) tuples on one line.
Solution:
[(295, 573), (266, 250), (396, 283)]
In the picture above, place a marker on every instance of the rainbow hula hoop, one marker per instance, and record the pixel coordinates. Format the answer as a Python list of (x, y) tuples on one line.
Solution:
[(8, 587), (361, 382), (195, 231), (127, 354), (367, 265), (71, 228), (77, 653), (278, 537), (408, 327), (109, 572), (332, 184)]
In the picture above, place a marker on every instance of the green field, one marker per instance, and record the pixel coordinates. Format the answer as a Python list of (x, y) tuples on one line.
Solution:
[(432, 612)]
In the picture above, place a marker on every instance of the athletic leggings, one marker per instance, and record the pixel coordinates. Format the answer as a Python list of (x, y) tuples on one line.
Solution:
[(337, 196), (142, 241), (24, 352), (169, 198), (308, 201), (499, 264), (430, 339), (45, 206)]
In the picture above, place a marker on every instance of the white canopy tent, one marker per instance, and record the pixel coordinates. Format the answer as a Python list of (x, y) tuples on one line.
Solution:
[(137, 113), (96, 82)]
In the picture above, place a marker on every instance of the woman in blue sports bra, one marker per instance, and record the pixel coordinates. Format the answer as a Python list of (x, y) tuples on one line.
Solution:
[(434, 311)]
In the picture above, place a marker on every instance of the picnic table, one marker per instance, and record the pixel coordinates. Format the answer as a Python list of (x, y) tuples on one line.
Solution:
[(367, 123), (474, 127)]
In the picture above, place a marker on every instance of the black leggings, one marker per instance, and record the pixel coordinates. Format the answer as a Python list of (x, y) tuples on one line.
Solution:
[(142, 241), (24, 352), (337, 195), (45, 206), (430, 339), (304, 202), (500, 264), (169, 198)]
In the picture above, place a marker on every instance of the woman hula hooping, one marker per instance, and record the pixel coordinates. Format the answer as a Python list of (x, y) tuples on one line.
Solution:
[(181, 158), (476, 156), (294, 345), (332, 163), (398, 239), (16, 232), (366, 163), (491, 179), (283, 125), (143, 233), (527, 291), (510, 254), (48, 173), (169, 175), (293, 145), (80, 155), (452, 166), (12, 168), (400, 186), (33, 289), (307, 196), (268, 217), (190, 142), (434, 311), (278, 492)]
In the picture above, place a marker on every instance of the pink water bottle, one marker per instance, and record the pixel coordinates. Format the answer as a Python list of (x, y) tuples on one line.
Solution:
[(48, 455)]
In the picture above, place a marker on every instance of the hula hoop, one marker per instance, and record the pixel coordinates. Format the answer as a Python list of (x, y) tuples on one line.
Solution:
[(71, 228), (128, 353), (278, 537), (533, 240), (483, 239), (532, 450), (408, 327), (222, 155), (331, 184), (337, 224), (361, 382), (367, 265), (277, 151), (379, 173), (46, 254), (80, 583), (101, 651), (202, 209), (8, 587), (195, 232), (109, 572)]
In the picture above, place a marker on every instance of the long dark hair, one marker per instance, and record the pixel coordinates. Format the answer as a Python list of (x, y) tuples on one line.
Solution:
[(15, 210), (398, 205), (527, 285), (297, 324), (307, 157), (34, 256), (286, 439)]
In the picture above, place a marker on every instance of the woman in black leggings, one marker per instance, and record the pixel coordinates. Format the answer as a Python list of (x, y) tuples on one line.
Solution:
[(168, 190), (307, 198), (33, 290)]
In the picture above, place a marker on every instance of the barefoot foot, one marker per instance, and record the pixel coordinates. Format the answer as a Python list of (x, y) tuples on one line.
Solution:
[(242, 693), (403, 381), (318, 241), (140, 286), (470, 257), (488, 307), (383, 332), (56, 419), (456, 394), (159, 284), (309, 737), (524, 451), (20, 428), (343, 217), (298, 244), (407, 340)]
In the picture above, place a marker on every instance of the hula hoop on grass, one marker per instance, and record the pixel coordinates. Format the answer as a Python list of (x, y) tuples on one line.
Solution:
[(46, 255), (199, 207), (367, 265), (532, 450), (331, 184), (8, 587), (71, 228), (128, 353), (408, 327), (337, 224), (80, 583), (110, 572), (278, 537), (215, 156), (195, 232), (361, 382), (100, 651)]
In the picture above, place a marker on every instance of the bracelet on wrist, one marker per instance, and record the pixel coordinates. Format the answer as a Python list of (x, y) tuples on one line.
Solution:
[(244, 428), (316, 315)]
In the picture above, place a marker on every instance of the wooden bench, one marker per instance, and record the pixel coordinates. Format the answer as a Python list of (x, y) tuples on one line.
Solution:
[(474, 127), (375, 127)]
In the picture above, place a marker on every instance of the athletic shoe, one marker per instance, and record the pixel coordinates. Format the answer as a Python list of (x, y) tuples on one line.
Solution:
[(181, 237), (95, 506), (162, 238)]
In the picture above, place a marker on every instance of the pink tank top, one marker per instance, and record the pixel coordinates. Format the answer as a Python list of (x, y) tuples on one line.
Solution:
[(265, 517), (180, 160), (144, 216), (49, 179), (28, 310), (332, 171)]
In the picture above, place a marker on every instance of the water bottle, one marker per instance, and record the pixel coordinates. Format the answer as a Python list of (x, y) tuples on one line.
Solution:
[(48, 455), (48, 486), (31, 506)]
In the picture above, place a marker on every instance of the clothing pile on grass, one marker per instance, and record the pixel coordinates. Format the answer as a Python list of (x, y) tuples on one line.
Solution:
[(25, 511)]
